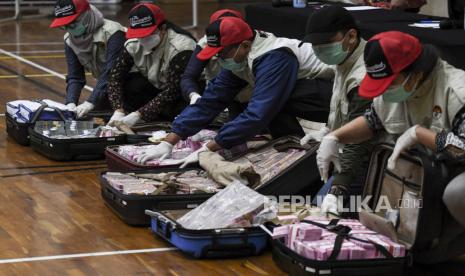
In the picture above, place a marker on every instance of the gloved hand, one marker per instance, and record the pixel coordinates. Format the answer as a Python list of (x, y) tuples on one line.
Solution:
[(405, 141), (328, 153), (193, 157), (160, 151), (84, 108), (71, 107), (131, 119), (117, 116), (315, 135), (194, 96), (330, 204)]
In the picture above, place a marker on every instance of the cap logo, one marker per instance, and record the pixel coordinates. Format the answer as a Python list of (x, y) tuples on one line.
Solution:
[(136, 22), (213, 41), (64, 11), (376, 68)]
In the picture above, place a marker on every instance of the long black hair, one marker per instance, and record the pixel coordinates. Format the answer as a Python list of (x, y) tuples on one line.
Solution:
[(177, 29), (425, 63)]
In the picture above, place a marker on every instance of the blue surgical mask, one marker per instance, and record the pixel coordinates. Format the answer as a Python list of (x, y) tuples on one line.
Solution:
[(331, 54), (76, 29), (398, 93), (231, 65)]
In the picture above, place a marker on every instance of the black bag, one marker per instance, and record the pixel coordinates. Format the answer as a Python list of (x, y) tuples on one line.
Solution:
[(423, 225), (74, 148), (301, 177), (20, 131), (294, 264), (209, 243), (417, 184)]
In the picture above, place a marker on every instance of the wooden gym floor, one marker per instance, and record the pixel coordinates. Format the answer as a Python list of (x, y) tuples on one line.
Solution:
[(52, 218)]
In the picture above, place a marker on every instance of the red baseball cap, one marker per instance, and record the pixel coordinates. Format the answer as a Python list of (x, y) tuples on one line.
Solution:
[(225, 13), (386, 55), (144, 19), (224, 32), (66, 11)]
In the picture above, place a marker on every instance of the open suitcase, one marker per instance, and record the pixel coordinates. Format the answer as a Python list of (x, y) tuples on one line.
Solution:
[(19, 131), (211, 243), (122, 163), (299, 177), (418, 218), (73, 148)]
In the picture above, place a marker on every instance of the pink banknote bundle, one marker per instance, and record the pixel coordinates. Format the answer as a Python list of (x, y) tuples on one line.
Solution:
[(316, 243)]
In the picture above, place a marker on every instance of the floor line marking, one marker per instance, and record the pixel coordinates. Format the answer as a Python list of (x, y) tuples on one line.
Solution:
[(35, 57), (37, 51), (32, 76), (40, 67), (83, 255), (32, 43)]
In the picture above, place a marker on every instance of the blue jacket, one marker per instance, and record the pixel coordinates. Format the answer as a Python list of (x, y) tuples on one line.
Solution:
[(192, 75), (275, 77), (76, 78)]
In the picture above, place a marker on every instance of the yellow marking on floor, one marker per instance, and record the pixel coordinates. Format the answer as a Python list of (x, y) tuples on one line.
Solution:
[(34, 57)]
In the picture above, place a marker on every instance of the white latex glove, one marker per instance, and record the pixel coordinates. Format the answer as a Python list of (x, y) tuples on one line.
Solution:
[(405, 141), (160, 151), (194, 96), (131, 119), (329, 204), (84, 108), (193, 157), (328, 153), (117, 116), (315, 135), (71, 107)]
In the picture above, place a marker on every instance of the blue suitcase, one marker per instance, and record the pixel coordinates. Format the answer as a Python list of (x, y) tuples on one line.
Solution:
[(210, 243)]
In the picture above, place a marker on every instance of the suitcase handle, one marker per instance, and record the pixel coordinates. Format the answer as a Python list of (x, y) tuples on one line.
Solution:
[(160, 218), (229, 231)]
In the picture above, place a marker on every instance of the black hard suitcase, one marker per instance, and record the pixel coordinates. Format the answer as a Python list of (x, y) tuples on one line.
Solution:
[(300, 177), (418, 173), (209, 243), (20, 131), (72, 149)]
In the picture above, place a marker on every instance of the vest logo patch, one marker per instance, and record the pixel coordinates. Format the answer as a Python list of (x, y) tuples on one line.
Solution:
[(437, 112)]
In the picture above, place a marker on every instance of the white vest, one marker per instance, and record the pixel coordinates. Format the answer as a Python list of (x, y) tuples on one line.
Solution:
[(309, 65), (154, 65), (100, 40), (348, 76), (434, 105)]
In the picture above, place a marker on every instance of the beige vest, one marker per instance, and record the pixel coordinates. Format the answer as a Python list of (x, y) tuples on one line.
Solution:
[(434, 105), (309, 65), (100, 40), (348, 76), (154, 65)]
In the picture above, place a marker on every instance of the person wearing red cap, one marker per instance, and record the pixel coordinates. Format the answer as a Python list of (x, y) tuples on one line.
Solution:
[(145, 80), (418, 99), (192, 79), (287, 80), (92, 43)]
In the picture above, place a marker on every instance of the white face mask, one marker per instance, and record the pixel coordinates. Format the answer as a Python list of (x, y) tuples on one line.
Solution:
[(150, 42)]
